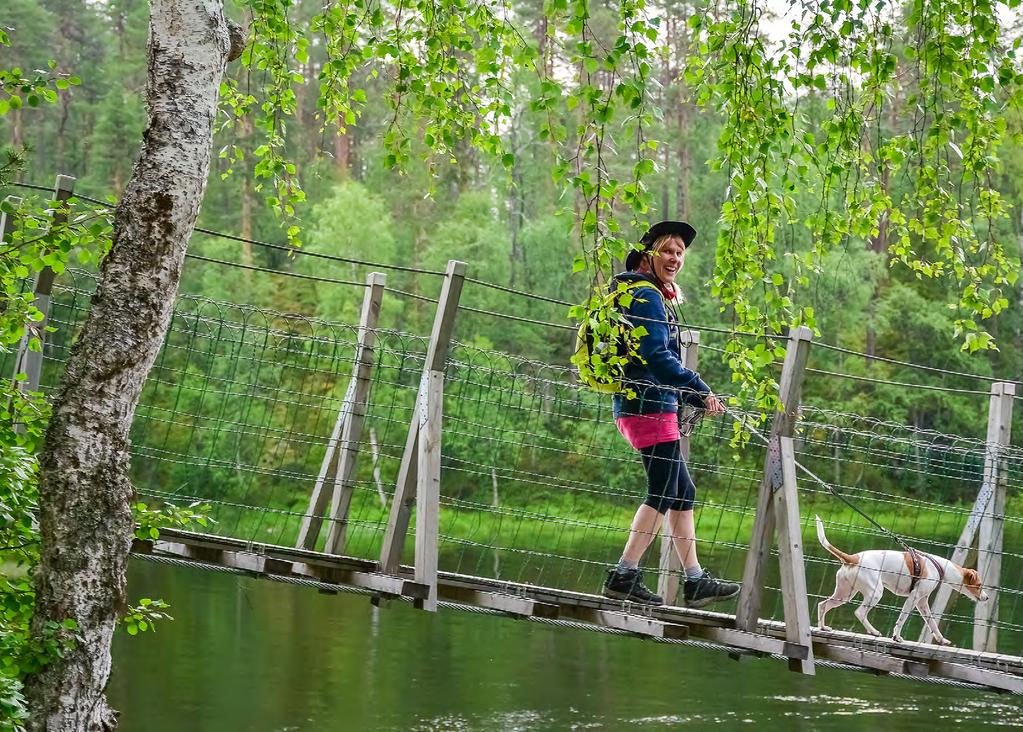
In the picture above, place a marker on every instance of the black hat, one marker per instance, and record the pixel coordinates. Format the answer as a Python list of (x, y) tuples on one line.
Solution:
[(679, 228)]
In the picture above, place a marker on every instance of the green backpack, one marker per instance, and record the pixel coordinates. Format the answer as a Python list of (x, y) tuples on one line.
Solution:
[(607, 340)]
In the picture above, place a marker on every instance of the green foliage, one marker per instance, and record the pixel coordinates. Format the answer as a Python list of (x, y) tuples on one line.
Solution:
[(18, 89), (21, 652), (355, 221), (148, 520), (143, 617), (958, 78), (46, 235), (861, 172), (452, 70), (607, 339)]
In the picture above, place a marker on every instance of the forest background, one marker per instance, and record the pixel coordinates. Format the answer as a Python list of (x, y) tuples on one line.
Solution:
[(507, 218), (513, 223), (368, 197)]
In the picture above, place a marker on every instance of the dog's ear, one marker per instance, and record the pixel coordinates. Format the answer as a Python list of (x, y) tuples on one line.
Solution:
[(971, 578)]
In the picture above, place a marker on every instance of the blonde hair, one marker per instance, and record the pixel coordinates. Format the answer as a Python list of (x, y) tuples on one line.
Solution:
[(663, 241), (660, 242)]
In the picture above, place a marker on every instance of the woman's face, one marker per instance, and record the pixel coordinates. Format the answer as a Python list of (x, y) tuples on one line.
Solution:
[(667, 261)]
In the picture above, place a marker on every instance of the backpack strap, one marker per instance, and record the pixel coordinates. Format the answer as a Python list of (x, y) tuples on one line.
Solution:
[(632, 285)]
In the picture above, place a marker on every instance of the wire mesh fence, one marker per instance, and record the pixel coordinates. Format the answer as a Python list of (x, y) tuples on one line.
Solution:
[(537, 485), (540, 488), (920, 484)]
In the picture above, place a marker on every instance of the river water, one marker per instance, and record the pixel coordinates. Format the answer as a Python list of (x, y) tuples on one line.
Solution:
[(245, 654)]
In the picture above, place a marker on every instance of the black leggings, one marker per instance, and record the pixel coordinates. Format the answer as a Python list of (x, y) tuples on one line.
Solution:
[(669, 487)]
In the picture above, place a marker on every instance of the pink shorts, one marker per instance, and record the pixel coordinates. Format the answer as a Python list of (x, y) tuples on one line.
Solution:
[(644, 430)]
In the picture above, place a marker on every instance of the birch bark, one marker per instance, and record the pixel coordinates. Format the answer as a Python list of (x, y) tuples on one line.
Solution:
[(84, 490)]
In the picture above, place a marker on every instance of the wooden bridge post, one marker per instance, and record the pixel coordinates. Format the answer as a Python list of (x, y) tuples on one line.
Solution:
[(667, 581), (428, 484), (338, 467), (748, 611), (790, 558), (989, 540), (999, 430), (6, 220), (420, 462), (27, 361)]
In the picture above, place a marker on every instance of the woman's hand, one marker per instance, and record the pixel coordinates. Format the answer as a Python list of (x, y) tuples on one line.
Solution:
[(713, 405)]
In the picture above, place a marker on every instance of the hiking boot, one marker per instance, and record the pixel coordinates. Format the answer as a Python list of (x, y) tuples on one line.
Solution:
[(628, 585), (707, 589)]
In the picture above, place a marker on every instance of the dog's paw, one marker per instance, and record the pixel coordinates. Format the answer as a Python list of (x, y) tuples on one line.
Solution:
[(823, 627), (898, 639), (942, 641)]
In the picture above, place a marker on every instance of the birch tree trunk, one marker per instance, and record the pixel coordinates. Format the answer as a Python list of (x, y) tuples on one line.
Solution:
[(84, 489)]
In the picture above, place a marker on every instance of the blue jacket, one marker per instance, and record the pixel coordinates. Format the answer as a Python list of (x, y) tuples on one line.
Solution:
[(662, 381)]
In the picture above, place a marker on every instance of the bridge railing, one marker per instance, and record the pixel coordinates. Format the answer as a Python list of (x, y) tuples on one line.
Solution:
[(245, 404)]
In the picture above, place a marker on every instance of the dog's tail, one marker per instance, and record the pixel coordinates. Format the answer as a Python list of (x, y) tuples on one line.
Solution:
[(836, 552)]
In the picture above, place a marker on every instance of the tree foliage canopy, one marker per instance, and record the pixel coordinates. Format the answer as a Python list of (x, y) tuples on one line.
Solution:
[(877, 123), (856, 165)]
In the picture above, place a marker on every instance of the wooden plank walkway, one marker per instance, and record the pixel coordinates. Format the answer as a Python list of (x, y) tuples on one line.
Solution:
[(880, 655)]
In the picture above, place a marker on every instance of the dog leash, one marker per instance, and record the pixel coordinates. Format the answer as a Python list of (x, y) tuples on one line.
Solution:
[(916, 571), (891, 534)]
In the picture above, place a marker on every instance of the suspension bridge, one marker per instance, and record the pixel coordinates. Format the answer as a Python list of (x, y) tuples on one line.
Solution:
[(401, 456)]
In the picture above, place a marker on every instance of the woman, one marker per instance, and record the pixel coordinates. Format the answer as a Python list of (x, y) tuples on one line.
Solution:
[(649, 421)]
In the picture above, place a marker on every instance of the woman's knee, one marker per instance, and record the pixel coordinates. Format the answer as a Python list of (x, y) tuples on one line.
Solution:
[(686, 490), (685, 500), (661, 504)]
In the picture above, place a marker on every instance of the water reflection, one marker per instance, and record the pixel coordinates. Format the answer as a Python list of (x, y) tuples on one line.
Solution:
[(246, 654)]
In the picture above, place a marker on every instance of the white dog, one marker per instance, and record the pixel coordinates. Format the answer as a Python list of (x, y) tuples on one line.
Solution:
[(870, 572)]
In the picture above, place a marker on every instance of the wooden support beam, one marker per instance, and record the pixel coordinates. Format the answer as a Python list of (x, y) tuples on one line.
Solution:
[(790, 557), (312, 519), (436, 356), (869, 659), (999, 432), (510, 604), (749, 641), (428, 485), (992, 523), (382, 583), (351, 433), (404, 498), (6, 219), (638, 624), (334, 482), (670, 565), (259, 564), (27, 361), (919, 652), (974, 675), (790, 390)]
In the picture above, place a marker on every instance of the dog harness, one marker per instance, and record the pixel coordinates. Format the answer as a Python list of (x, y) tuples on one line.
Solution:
[(917, 572)]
